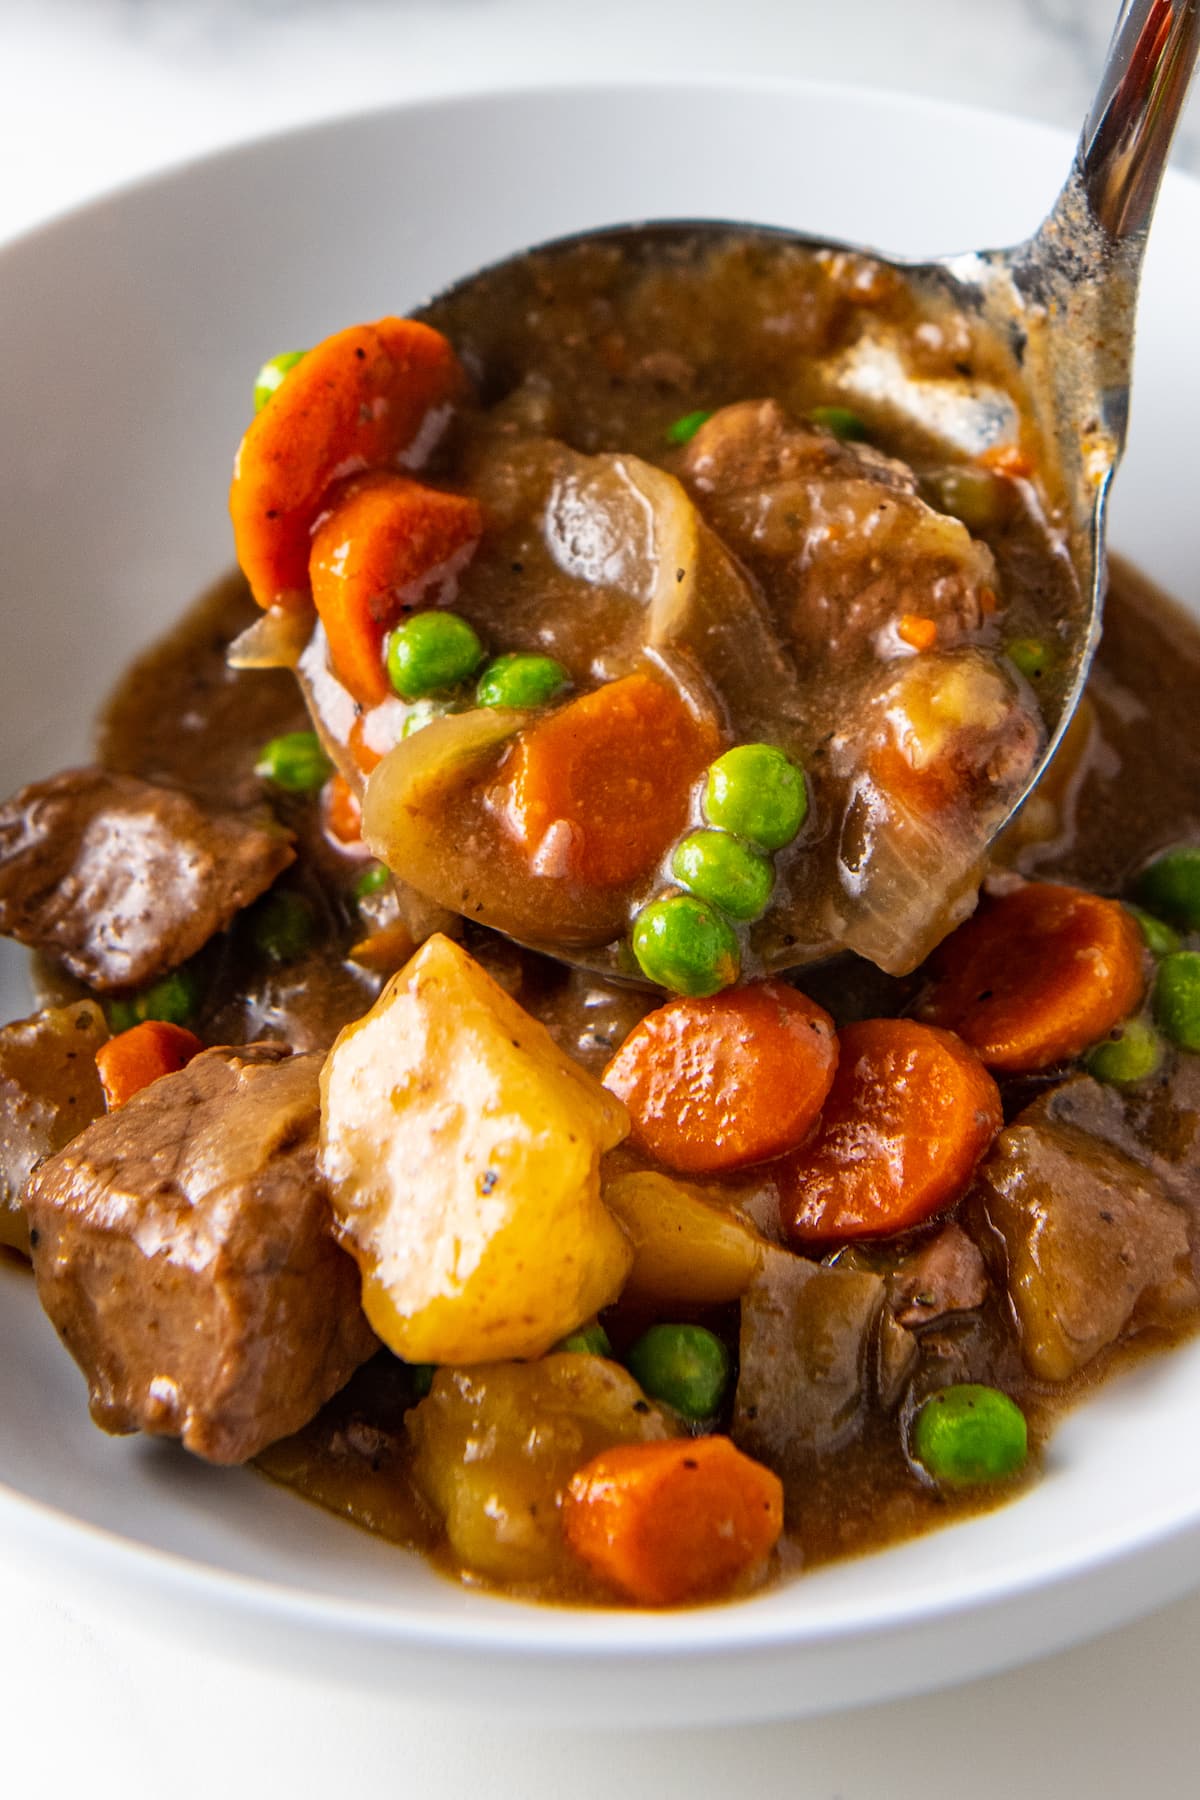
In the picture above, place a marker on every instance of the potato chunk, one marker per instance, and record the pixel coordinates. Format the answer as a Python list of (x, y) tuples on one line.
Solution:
[(49, 1090), (462, 1150), (496, 1447), (688, 1249)]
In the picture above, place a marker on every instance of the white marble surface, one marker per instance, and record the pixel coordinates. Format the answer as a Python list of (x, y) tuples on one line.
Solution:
[(97, 91)]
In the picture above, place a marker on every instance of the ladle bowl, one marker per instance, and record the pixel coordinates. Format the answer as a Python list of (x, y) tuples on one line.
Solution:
[(1062, 303)]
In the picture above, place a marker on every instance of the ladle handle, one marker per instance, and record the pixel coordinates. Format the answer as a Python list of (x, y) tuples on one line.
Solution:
[(1127, 136)]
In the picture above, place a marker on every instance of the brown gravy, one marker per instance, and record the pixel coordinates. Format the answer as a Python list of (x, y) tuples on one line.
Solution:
[(1130, 792)]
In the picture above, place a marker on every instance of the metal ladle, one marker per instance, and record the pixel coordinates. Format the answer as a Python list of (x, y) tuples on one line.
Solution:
[(1065, 298), (1063, 301)]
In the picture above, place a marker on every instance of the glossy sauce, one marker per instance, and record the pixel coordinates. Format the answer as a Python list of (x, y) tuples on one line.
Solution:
[(1128, 792)]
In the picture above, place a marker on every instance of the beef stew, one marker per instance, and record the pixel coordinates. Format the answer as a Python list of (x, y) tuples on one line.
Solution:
[(560, 1113)]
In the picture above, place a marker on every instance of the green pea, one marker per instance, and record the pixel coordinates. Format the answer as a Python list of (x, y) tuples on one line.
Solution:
[(121, 1014), (684, 430), (685, 946), (842, 422), (294, 762), (1032, 656), (174, 1000), (1170, 887), (970, 1434), (272, 373), (589, 1340), (282, 926), (517, 680), (976, 497), (1131, 1053), (430, 652), (683, 1365), (1160, 938), (372, 881), (1177, 998), (421, 1375), (724, 871), (758, 793)]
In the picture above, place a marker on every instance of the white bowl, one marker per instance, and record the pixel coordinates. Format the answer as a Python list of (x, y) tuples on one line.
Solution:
[(131, 332)]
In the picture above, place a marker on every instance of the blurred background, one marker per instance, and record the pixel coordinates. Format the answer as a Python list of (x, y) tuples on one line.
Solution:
[(97, 91)]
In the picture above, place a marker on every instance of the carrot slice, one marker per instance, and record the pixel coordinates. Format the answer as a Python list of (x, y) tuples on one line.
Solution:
[(715, 1084), (918, 632), (1006, 459), (910, 1113), (1038, 975), (672, 1521), (385, 544), (930, 790), (355, 402), (383, 951), (366, 757), (341, 812), (599, 789), (134, 1058)]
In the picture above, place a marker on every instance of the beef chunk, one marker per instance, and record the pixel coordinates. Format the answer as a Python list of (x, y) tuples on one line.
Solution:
[(122, 880), (1090, 1243), (49, 1090), (304, 1003), (1157, 1123), (897, 1358), (837, 534), (754, 445), (809, 1353), (945, 1275), (968, 1347), (182, 1248)]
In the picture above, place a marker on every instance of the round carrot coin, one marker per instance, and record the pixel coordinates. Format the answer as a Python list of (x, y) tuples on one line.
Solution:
[(599, 789), (1037, 976), (910, 1113), (712, 1085)]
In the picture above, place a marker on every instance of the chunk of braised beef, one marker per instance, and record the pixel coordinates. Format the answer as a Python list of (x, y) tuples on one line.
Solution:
[(945, 1275), (1155, 1123), (303, 1004), (809, 1360), (49, 1090), (977, 1346), (896, 1359), (753, 444), (837, 534), (182, 1247), (1089, 1243), (122, 880)]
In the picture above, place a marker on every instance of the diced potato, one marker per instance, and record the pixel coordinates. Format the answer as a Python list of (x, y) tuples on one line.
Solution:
[(462, 1149), (49, 1090), (496, 1447), (940, 697), (686, 1247)]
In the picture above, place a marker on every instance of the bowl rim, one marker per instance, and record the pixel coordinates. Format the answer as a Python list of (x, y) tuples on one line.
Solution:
[(691, 1634), (688, 1635), (519, 93)]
